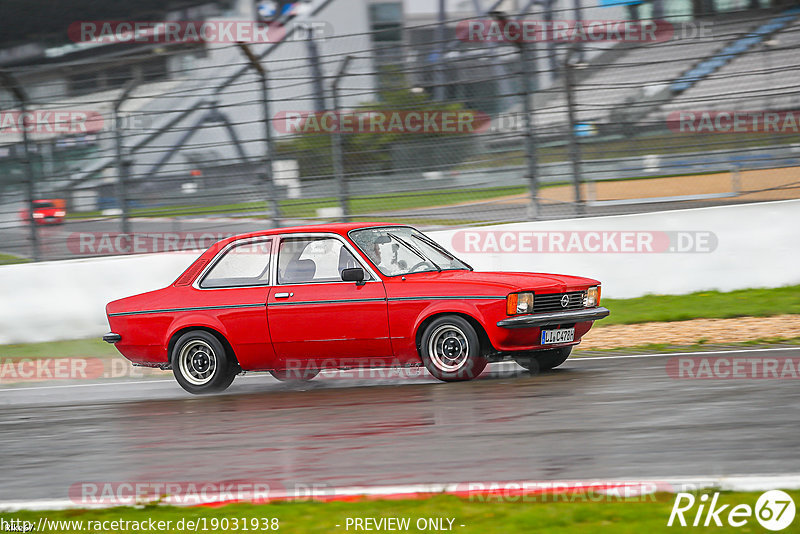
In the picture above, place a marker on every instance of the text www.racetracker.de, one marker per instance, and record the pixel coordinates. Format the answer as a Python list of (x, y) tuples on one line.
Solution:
[(197, 524)]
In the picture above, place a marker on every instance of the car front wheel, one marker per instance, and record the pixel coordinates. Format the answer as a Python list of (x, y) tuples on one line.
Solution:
[(543, 360), (201, 364), (450, 349)]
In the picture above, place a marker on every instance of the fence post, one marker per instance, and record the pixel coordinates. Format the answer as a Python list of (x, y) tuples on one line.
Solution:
[(438, 68), (122, 164), (272, 202), (10, 83), (574, 146), (336, 145), (577, 8), (530, 138)]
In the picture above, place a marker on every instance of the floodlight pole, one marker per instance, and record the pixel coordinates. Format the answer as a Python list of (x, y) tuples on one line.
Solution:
[(274, 205), (336, 143), (10, 82)]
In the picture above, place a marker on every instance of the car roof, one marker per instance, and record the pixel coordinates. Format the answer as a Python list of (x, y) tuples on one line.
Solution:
[(334, 228)]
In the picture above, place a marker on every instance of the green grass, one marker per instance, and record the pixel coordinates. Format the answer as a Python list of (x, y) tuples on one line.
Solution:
[(567, 514), (76, 348), (704, 304), (359, 205), (10, 259)]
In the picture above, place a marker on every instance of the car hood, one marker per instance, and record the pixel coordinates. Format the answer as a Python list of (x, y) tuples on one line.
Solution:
[(489, 282)]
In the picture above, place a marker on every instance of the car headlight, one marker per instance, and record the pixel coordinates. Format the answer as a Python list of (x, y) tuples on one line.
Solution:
[(517, 303), (38, 215), (60, 213), (592, 297)]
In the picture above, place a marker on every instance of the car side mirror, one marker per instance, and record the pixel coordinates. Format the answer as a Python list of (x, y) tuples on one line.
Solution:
[(356, 274)]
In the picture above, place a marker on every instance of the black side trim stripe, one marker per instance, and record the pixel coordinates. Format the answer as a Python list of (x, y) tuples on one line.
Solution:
[(447, 297), (339, 301), (379, 299), (299, 303), (196, 308)]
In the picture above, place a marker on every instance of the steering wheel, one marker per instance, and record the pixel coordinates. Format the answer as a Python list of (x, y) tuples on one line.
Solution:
[(420, 264)]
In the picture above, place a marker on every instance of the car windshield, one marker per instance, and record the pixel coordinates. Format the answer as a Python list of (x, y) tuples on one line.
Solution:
[(43, 204), (397, 250)]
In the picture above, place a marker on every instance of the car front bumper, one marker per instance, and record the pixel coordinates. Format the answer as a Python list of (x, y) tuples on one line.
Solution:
[(555, 318)]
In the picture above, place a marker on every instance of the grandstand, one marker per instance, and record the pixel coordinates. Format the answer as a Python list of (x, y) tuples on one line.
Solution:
[(765, 77), (610, 89)]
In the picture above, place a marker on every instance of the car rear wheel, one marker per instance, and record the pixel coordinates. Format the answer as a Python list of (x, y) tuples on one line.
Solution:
[(543, 360), (294, 375), (201, 364), (450, 349)]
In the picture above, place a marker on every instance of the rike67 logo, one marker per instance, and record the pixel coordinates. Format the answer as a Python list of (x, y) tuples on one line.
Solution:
[(774, 510)]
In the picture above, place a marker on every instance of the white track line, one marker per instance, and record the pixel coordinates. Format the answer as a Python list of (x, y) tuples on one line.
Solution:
[(120, 383), (754, 483), (95, 384), (662, 355)]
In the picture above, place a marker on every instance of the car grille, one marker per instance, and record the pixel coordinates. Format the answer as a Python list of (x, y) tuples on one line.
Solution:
[(552, 301)]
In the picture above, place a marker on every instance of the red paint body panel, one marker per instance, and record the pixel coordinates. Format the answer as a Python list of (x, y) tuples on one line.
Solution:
[(306, 328), (328, 325)]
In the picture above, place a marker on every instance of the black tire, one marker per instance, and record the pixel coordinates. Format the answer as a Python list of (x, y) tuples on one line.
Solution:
[(543, 360), (201, 364), (450, 349), (294, 375)]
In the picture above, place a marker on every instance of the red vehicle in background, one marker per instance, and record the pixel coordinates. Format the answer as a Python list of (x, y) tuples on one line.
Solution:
[(293, 301), (47, 211)]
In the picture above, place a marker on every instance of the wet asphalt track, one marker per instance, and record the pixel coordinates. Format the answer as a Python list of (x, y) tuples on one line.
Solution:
[(593, 418)]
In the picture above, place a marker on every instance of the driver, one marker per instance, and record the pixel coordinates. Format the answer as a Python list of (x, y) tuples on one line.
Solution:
[(390, 268)]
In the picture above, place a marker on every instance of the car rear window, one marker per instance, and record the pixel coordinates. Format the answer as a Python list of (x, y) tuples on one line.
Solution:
[(245, 264)]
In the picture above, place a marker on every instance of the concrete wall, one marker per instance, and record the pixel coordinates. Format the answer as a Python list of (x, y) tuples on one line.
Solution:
[(733, 247), (723, 248)]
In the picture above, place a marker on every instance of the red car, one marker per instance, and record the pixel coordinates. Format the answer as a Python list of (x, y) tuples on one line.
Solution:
[(47, 211), (292, 301)]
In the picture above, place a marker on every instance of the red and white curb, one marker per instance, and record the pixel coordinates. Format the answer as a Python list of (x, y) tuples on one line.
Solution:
[(615, 489)]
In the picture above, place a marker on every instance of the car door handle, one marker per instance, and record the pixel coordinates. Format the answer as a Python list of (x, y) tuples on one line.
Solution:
[(283, 295)]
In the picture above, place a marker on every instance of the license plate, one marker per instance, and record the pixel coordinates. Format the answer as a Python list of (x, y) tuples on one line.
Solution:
[(563, 335)]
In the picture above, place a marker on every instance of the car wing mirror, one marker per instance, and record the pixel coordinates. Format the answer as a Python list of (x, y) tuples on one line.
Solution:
[(356, 274)]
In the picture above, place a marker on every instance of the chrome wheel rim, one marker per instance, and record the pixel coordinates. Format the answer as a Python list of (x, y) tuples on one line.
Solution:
[(448, 348), (197, 362)]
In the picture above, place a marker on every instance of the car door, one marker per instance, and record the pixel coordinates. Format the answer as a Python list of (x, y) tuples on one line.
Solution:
[(234, 290), (316, 320)]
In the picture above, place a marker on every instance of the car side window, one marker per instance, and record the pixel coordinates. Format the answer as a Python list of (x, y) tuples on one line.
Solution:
[(244, 264), (304, 260)]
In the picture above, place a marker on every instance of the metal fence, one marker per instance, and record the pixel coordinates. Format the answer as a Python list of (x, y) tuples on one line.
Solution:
[(436, 124)]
